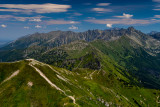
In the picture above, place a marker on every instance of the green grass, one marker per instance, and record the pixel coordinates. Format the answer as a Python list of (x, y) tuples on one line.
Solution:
[(117, 72), (104, 87)]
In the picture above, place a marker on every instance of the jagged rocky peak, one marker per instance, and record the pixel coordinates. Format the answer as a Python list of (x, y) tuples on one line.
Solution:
[(58, 38), (131, 28), (115, 28), (155, 35), (96, 31), (152, 32), (132, 31)]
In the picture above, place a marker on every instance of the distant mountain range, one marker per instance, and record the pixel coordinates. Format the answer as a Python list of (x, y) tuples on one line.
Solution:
[(47, 41), (155, 35), (4, 42), (116, 67)]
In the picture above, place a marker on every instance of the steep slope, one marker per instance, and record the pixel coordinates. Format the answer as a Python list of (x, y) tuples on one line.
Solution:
[(123, 54), (155, 35), (58, 38), (35, 44), (41, 42), (136, 61), (151, 45), (32, 83), (132, 55)]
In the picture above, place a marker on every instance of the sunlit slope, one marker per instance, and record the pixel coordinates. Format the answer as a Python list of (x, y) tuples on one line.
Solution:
[(32, 46), (32, 83), (135, 59), (124, 57)]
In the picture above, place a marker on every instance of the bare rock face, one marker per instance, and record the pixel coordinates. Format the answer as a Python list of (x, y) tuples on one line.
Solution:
[(58, 38), (155, 35), (30, 84), (43, 44)]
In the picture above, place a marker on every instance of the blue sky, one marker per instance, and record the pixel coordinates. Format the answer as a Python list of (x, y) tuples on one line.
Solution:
[(23, 17)]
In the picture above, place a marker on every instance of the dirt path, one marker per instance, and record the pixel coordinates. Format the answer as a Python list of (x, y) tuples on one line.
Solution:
[(13, 75), (52, 84), (42, 75)]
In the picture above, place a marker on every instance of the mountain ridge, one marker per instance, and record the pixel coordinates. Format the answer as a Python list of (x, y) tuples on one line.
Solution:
[(37, 83), (46, 41), (81, 69), (89, 35)]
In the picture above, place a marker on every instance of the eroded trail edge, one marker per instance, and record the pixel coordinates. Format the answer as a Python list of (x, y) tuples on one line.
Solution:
[(51, 83)]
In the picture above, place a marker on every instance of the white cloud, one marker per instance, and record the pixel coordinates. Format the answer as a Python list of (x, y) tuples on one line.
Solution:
[(22, 19), (156, 16), (37, 8), (127, 16), (156, 1), (156, 9), (31, 19), (103, 4), (73, 28), (26, 27), (91, 17), (4, 26), (5, 16), (9, 17), (123, 21), (12, 10), (35, 20), (77, 14), (73, 22), (60, 22), (38, 26), (101, 10), (109, 25)]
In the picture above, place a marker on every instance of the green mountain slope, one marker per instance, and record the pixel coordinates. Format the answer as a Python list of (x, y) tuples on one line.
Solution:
[(123, 54), (134, 59), (95, 68), (33, 45), (32, 83)]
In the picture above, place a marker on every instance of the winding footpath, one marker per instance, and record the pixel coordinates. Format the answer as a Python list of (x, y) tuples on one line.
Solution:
[(49, 82), (13, 75)]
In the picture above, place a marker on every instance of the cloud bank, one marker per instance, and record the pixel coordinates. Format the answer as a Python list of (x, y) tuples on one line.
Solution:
[(101, 10), (35, 8), (127, 16), (73, 27), (109, 25), (60, 22), (103, 4), (4, 26), (123, 21)]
